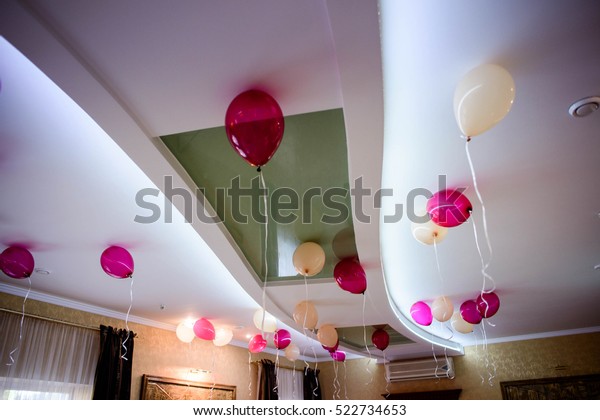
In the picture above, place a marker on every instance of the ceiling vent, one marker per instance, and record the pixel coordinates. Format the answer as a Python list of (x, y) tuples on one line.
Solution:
[(585, 106), (410, 370)]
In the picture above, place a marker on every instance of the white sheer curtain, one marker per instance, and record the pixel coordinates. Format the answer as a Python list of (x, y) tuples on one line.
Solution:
[(52, 360), (290, 384)]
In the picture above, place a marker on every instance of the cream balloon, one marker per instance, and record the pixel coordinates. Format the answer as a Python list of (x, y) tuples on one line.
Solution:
[(305, 315), (309, 259), (223, 336), (460, 325), (327, 335), (292, 352), (427, 233), (270, 322), (442, 309), (483, 98), (185, 332)]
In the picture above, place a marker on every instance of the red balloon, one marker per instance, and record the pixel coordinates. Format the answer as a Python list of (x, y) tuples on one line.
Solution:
[(350, 276), (449, 208), (204, 329), (380, 339), (254, 125), (17, 262), (488, 304), (338, 356), (282, 338), (469, 312), (117, 262), (331, 349), (257, 344)]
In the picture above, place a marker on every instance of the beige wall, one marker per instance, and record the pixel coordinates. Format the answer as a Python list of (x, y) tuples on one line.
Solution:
[(158, 352), (517, 360)]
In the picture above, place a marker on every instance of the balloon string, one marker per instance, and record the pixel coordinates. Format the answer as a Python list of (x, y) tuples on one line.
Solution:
[(486, 265), (314, 391), (294, 380), (436, 362), (276, 387), (250, 376), (448, 364), (365, 339), (10, 355), (264, 291), (387, 382), (127, 320), (345, 381), (212, 371), (437, 262), (336, 383)]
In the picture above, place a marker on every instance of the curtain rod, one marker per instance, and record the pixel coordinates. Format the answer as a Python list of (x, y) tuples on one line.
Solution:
[(58, 321), (256, 362)]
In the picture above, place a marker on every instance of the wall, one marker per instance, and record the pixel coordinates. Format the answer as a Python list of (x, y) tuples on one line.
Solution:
[(159, 352), (517, 360)]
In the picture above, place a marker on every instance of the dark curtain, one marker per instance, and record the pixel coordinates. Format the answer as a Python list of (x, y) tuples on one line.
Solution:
[(113, 372), (268, 381), (312, 386)]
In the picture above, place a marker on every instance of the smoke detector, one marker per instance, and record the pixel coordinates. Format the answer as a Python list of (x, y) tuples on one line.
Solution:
[(585, 106)]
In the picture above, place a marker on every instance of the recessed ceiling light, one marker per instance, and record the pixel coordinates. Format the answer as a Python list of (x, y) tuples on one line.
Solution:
[(585, 106)]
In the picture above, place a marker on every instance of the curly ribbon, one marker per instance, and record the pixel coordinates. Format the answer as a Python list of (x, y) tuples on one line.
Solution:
[(264, 289), (294, 380), (484, 265), (336, 382), (250, 376), (16, 349), (345, 381), (276, 387), (387, 382), (127, 320), (212, 371)]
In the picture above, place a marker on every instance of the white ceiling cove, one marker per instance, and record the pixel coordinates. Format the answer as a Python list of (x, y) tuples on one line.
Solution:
[(87, 88)]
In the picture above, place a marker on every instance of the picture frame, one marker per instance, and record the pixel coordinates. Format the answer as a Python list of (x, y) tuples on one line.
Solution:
[(160, 388), (586, 387)]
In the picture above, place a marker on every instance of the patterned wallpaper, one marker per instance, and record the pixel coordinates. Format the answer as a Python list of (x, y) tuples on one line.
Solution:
[(159, 353)]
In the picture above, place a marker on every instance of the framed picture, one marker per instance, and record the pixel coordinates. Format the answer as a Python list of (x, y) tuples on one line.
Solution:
[(563, 388), (158, 388)]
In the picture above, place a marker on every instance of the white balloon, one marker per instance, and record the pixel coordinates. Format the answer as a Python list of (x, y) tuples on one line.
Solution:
[(309, 259), (427, 233), (223, 336), (292, 352), (270, 322), (442, 309), (483, 98), (185, 332), (460, 325)]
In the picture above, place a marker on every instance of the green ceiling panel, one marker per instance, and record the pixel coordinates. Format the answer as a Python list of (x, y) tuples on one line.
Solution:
[(307, 183)]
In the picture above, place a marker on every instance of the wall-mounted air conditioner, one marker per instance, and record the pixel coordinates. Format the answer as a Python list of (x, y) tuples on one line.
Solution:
[(408, 370)]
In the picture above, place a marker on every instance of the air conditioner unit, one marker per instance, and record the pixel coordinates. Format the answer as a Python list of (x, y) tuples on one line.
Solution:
[(409, 370)]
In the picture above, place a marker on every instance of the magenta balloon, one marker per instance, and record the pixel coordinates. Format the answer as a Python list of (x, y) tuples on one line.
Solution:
[(332, 349), (17, 262), (254, 125), (117, 262), (488, 304), (449, 208), (282, 338), (421, 313), (338, 356), (257, 344), (469, 312), (380, 339), (204, 329), (350, 276)]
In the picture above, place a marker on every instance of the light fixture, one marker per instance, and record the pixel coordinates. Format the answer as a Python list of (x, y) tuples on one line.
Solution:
[(585, 106)]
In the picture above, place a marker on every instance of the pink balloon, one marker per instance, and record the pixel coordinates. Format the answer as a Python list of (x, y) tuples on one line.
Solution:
[(282, 338), (421, 313), (204, 329), (380, 339), (17, 262), (350, 276), (254, 125), (331, 349), (488, 304), (117, 262), (257, 344), (469, 312), (338, 356), (449, 208)]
